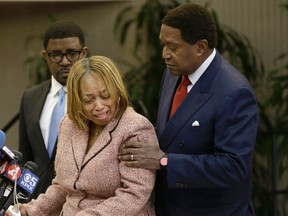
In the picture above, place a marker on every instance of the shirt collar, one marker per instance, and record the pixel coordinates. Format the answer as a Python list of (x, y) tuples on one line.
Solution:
[(197, 74), (56, 86)]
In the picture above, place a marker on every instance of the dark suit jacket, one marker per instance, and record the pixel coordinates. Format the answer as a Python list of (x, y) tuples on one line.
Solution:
[(209, 142), (31, 142)]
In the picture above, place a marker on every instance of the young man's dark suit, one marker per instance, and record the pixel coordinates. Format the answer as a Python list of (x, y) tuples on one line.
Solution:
[(33, 100)]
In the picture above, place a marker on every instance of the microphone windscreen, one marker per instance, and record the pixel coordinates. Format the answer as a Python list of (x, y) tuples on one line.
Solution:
[(2, 139), (18, 155), (31, 166)]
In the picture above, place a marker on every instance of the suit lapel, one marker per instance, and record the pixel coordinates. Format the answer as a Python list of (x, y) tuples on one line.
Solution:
[(79, 145), (197, 97), (38, 106), (101, 143), (167, 94), (181, 117)]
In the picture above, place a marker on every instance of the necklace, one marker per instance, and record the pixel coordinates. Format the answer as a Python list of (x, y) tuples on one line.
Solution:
[(97, 132)]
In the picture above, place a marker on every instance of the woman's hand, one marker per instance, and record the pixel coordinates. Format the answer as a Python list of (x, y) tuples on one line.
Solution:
[(14, 208)]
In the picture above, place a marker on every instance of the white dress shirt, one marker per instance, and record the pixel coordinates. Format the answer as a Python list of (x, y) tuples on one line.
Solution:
[(51, 100), (198, 73)]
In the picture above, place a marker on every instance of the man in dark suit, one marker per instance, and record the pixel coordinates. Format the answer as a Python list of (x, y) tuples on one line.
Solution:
[(204, 161), (64, 44)]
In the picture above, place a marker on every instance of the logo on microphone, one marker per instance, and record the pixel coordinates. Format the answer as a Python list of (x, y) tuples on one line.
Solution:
[(14, 172), (28, 181)]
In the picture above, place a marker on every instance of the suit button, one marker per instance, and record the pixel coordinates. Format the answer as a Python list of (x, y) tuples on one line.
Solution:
[(182, 143)]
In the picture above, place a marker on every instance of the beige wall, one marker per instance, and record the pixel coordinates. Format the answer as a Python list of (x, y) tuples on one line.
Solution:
[(262, 21)]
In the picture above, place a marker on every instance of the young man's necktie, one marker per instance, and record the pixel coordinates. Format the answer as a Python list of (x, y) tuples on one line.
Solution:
[(57, 115)]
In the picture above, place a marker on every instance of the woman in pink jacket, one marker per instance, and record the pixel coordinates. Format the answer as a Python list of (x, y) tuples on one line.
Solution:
[(90, 180)]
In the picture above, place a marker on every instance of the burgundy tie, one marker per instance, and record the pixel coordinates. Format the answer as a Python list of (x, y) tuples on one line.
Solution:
[(180, 94)]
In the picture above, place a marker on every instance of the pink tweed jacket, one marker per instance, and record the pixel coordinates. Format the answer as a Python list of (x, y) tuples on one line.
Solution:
[(97, 183)]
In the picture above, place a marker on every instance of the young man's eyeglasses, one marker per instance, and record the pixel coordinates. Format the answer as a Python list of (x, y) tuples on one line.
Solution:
[(72, 56)]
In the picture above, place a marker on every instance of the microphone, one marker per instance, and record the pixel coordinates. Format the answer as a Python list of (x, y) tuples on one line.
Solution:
[(26, 185), (2, 141), (5, 149), (10, 173), (2, 138), (28, 180), (8, 167)]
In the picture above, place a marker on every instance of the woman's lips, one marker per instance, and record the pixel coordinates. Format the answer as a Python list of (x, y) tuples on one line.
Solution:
[(101, 116)]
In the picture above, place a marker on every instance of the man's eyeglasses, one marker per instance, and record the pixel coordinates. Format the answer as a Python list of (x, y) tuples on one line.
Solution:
[(72, 56)]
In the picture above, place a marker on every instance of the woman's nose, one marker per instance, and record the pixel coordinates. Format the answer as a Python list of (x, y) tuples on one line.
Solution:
[(98, 105)]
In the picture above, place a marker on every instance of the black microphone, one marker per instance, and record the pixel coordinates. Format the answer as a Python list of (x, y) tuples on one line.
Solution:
[(25, 186), (28, 180), (12, 172), (7, 157)]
